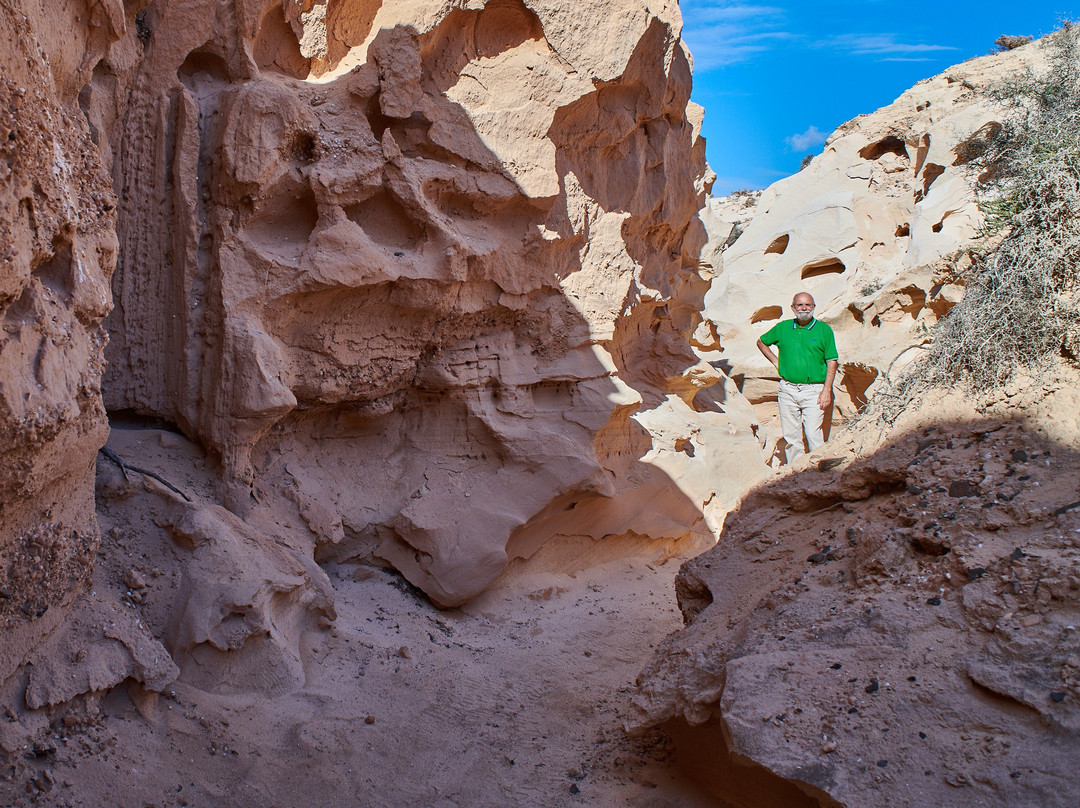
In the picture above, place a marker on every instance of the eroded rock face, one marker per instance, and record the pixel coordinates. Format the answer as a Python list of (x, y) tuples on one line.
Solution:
[(57, 252), (423, 271), (904, 623), (875, 227)]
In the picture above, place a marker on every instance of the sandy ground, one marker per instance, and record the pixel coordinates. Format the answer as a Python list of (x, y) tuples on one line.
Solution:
[(517, 699)]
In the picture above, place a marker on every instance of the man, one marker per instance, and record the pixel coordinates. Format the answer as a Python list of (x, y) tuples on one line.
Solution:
[(807, 367)]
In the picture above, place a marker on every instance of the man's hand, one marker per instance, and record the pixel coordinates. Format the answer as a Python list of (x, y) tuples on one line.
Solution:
[(824, 399)]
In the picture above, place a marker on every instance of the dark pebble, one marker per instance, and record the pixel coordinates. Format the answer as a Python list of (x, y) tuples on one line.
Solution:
[(882, 764), (574, 789), (934, 601), (1017, 554), (853, 711), (963, 488), (873, 687), (1019, 455), (1059, 697), (976, 573), (836, 666), (922, 735)]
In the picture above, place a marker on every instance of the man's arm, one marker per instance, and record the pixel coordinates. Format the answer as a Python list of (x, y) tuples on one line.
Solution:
[(767, 352), (824, 398)]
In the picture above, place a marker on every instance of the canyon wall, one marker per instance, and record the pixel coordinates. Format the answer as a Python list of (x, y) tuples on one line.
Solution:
[(57, 253), (892, 621), (877, 227), (418, 278), (426, 271)]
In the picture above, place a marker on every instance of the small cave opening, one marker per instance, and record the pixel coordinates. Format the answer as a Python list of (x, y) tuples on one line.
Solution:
[(830, 266), (779, 245), (903, 231), (856, 378), (303, 148), (386, 221), (284, 223), (204, 71), (892, 143), (930, 173), (134, 419), (766, 313), (977, 144)]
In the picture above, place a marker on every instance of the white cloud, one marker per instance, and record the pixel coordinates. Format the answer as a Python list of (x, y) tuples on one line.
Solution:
[(879, 45), (721, 33), (807, 140)]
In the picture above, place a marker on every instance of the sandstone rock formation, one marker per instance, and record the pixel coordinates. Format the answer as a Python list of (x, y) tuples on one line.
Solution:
[(894, 623), (899, 630), (419, 278), (423, 270), (57, 252), (866, 228)]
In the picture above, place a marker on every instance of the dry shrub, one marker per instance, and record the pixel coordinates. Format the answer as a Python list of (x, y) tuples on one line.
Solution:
[(1006, 42), (1019, 309)]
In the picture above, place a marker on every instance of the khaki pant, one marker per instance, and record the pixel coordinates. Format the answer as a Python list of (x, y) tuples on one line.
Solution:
[(799, 410)]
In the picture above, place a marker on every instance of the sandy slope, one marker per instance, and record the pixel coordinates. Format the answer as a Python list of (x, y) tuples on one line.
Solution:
[(518, 699)]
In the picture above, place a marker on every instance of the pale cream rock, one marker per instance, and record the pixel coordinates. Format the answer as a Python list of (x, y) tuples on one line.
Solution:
[(865, 228)]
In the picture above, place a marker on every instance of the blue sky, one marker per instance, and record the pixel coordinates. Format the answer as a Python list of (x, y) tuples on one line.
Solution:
[(776, 78)]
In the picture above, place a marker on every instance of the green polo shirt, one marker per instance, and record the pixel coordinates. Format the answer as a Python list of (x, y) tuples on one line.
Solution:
[(804, 350)]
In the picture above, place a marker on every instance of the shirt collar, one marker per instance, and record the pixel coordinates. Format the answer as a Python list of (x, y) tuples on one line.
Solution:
[(795, 323)]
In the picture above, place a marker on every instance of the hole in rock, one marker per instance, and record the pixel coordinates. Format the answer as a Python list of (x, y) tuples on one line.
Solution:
[(283, 223), (767, 313), (855, 380), (203, 72), (55, 273), (505, 24), (831, 266), (465, 35), (888, 144), (976, 145), (931, 173), (276, 48), (686, 446), (903, 230), (779, 245), (303, 147), (856, 313), (132, 419), (386, 221), (916, 300), (451, 201)]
